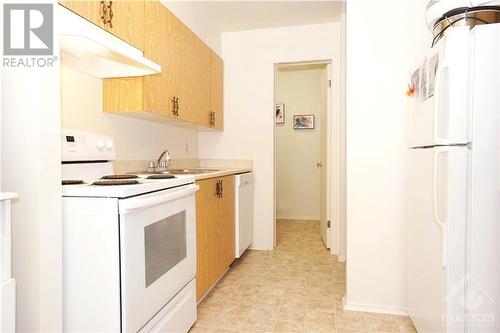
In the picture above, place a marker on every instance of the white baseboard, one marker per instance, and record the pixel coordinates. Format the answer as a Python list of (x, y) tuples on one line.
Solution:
[(257, 248), (393, 310), (306, 218)]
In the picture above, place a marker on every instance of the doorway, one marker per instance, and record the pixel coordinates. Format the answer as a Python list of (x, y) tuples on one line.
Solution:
[(302, 146)]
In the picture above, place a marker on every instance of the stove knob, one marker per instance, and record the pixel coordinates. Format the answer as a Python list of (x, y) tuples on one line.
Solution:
[(109, 144), (100, 144)]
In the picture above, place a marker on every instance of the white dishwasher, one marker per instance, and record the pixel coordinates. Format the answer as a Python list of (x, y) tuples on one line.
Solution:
[(243, 212)]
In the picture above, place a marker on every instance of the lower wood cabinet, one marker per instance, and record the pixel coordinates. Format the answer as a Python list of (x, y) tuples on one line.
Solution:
[(214, 231)]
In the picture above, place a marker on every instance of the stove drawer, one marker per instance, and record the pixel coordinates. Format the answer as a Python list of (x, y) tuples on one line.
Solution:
[(178, 315)]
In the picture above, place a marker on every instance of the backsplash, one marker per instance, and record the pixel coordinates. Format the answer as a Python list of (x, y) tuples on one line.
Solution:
[(135, 139), (124, 166)]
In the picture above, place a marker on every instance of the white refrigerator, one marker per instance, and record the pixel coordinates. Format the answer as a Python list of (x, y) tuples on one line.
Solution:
[(453, 219)]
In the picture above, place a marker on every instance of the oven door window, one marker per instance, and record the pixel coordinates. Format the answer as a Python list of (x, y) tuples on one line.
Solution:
[(165, 246)]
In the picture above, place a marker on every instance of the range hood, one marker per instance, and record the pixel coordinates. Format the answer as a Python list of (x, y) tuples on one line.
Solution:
[(89, 49)]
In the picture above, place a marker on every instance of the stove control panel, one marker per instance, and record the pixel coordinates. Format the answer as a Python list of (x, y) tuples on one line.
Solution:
[(85, 146)]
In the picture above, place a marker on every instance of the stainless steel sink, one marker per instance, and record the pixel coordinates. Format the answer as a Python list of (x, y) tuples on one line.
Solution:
[(177, 172), (189, 171)]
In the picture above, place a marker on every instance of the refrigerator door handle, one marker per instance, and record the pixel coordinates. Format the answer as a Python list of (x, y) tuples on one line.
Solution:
[(435, 204), (441, 72)]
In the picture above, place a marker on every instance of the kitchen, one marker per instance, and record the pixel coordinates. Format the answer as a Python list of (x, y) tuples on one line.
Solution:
[(367, 61)]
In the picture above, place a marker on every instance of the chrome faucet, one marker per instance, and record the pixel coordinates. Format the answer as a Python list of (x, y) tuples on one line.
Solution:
[(162, 163)]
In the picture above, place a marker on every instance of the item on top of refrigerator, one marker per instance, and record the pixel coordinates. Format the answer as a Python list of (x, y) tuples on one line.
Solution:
[(443, 14), (438, 9)]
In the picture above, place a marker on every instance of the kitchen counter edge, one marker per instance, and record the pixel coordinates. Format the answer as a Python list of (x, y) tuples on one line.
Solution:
[(222, 173)]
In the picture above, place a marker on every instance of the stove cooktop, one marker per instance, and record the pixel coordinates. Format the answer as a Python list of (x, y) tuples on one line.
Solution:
[(122, 186)]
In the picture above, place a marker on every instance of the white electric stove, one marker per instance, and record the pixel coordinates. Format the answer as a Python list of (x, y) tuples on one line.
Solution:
[(129, 246)]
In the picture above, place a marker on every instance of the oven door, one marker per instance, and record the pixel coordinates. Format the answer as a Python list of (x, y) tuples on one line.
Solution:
[(157, 251)]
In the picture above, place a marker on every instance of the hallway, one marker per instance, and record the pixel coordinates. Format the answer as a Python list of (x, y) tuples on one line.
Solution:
[(298, 287)]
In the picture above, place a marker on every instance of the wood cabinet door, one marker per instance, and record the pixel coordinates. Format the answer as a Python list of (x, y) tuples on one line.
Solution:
[(157, 21), (225, 225), (206, 214), (202, 83), (91, 10), (172, 65), (127, 22), (188, 75), (216, 89)]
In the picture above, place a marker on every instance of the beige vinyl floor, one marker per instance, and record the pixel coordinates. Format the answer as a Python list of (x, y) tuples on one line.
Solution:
[(298, 287)]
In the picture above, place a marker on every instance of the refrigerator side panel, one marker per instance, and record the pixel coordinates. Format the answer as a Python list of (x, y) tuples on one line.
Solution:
[(484, 195)]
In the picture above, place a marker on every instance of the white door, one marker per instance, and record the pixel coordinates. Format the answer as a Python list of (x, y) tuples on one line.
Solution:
[(324, 164), (158, 251), (435, 241)]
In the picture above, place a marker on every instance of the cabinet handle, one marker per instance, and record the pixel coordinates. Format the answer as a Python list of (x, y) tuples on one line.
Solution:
[(217, 189), (110, 7), (175, 106), (212, 118), (221, 189), (104, 12)]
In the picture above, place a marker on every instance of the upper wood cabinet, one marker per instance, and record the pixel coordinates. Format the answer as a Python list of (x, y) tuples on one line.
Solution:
[(216, 92), (127, 22), (91, 10), (122, 18), (184, 89)]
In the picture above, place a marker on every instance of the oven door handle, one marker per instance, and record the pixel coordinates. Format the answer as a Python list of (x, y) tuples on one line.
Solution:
[(135, 204)]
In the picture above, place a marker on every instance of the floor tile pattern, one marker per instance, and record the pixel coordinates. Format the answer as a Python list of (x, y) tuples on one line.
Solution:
[(298, 287)]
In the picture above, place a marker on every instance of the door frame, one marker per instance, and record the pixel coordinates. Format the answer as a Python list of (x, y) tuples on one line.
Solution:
[(335, 151)]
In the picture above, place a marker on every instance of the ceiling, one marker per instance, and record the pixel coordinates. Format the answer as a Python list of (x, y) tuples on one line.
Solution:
[(228, 16)]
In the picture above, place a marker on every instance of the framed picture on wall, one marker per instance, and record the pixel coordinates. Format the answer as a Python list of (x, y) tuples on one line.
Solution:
[(280, 113), (303, 121)]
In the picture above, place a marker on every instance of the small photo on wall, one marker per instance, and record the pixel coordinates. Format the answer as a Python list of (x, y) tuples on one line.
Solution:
[(303, 121), (280, 113)]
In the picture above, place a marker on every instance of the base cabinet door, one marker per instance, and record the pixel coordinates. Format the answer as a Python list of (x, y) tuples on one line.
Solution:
[(225, 225), (206, 212), (214, 231)]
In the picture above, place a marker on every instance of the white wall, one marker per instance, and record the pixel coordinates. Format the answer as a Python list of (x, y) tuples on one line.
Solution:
[(30, 165), (135, 139), (385, 40), (303, 91), (249, 59)]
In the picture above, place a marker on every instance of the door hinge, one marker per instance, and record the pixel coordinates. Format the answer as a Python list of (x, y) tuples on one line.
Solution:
[(329, 83), (328, 224)]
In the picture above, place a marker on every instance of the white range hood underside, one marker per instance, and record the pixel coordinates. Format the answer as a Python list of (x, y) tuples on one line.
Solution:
[(91, 50)]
